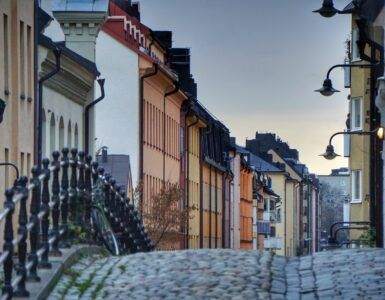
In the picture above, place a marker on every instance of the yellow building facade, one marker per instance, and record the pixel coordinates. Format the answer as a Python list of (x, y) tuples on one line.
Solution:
[(16, 88)]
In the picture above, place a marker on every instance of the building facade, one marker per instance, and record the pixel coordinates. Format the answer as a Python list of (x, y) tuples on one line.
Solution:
[(17, 88)]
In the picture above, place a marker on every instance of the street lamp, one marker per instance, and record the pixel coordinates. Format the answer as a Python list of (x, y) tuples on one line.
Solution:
[(327, 87), (330, 154), (2, 109), (327, 10)]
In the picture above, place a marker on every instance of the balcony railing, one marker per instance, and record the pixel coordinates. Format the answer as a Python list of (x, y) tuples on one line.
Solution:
[(263, 227), (62, 193)]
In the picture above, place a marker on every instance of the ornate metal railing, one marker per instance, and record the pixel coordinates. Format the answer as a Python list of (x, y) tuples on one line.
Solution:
[(55, 192)]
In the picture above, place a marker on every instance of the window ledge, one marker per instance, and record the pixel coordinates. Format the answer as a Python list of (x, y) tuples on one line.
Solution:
[(356, 202)]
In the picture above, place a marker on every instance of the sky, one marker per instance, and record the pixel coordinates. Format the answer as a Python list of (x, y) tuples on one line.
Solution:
[(257, 64)]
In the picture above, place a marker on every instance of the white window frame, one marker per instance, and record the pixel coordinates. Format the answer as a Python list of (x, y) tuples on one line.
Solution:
[(354, 174), (353, 114), (354, 51)]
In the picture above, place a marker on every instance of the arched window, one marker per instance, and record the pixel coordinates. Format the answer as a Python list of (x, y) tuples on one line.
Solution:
[(76, 137), (43, 136), (52, 134), (69, 135), (61, 134)]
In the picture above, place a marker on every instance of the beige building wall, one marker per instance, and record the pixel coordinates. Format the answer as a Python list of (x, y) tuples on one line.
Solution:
[(16, 87), (278, 185)]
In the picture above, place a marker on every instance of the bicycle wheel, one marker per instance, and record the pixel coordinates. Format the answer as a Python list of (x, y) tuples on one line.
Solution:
[(104, 230)]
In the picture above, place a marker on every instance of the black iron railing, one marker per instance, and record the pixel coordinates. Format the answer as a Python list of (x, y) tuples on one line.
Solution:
[(56, 191), (345, 226)]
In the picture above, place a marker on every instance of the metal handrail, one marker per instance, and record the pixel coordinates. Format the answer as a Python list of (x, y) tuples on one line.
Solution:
[(51, 206)]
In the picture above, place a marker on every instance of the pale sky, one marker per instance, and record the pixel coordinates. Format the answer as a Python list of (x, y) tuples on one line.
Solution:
[(257, 64)]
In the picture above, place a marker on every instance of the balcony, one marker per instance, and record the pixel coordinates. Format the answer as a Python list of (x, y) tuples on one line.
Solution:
[(273, 243), (262, 227)]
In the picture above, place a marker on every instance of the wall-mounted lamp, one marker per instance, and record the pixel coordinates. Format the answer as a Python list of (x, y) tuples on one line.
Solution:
[(330, 154), (327, 87)]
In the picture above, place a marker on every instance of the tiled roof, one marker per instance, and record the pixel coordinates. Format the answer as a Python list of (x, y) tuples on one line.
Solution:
[(84, 62)]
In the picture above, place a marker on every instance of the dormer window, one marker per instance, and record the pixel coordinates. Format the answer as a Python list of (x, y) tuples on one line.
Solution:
[(356, 114)]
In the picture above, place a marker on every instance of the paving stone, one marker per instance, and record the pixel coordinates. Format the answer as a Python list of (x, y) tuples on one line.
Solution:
[(227, 274)]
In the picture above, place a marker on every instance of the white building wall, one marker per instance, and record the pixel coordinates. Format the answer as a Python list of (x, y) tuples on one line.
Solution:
[(61, 107), (117, 116)]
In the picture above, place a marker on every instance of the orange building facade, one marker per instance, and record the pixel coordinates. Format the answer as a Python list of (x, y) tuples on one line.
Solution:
[(246, 207)]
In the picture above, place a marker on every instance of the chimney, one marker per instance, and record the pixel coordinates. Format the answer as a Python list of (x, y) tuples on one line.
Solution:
[(81, 23), (104, 155)]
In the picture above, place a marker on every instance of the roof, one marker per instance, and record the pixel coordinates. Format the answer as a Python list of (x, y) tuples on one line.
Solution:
[(256, 162), (80, 5), (84, 62), (118, 165), (370, 9)]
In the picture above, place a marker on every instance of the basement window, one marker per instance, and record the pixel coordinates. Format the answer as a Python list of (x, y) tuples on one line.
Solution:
[(356, 113), (356, 186)]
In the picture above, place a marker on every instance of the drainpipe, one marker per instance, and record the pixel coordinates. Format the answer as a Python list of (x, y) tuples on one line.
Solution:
[(87, 116), (35, 79), (57, 53), (173, 91), (188, 170), (141, 126)]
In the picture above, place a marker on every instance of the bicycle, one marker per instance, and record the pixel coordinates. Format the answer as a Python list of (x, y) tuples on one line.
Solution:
[(99, 220)]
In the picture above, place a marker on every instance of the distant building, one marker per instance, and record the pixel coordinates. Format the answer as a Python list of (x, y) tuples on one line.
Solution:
[(334, 199), (118, 165)]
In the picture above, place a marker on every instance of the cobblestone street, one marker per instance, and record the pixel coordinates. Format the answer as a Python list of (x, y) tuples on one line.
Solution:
[(227, 274)]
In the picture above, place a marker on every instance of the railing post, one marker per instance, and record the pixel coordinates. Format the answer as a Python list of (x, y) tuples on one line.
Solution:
[(111, 207), (95, 172), (45, 209), (64, 198), (23, 233), (34, 233), (81, 205), (88, 190), (8, 245), (73, 186), (107, 185), (56, 199)]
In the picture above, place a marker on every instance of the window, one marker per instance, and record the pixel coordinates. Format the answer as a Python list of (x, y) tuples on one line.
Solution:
[(52, 135), (356, 113), (22, 61), (356, 186), (61, 134), (29, 61), (355, 51), (6, 168), (6, 52), (22, 163)]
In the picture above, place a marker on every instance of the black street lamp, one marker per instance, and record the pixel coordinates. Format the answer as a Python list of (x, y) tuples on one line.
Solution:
[(327, 10), (2, 109), (330, 154), (327, 87)]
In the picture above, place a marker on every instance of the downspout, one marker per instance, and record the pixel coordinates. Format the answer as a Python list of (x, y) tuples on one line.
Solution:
[(87, 116), (39, 129), (285, 214), (173, 91), (35, 80), (141, 127), (188, 170)]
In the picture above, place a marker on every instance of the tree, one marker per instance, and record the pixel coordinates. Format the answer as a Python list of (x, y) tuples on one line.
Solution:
[(166, 218)]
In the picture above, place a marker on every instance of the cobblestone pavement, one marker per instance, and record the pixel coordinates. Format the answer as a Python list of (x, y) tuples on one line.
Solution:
[(227, 274)]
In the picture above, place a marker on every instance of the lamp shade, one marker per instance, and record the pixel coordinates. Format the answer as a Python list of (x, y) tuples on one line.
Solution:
[(329, 153), (327, 88), (380, 133), (2, 109), (327, 10)]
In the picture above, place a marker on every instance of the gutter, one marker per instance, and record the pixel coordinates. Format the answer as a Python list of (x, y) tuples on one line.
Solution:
[(141, 126), (39, 104), (87, 115)]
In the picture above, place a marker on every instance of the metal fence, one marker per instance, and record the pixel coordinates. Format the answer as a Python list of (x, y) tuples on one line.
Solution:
[(55, 193)]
